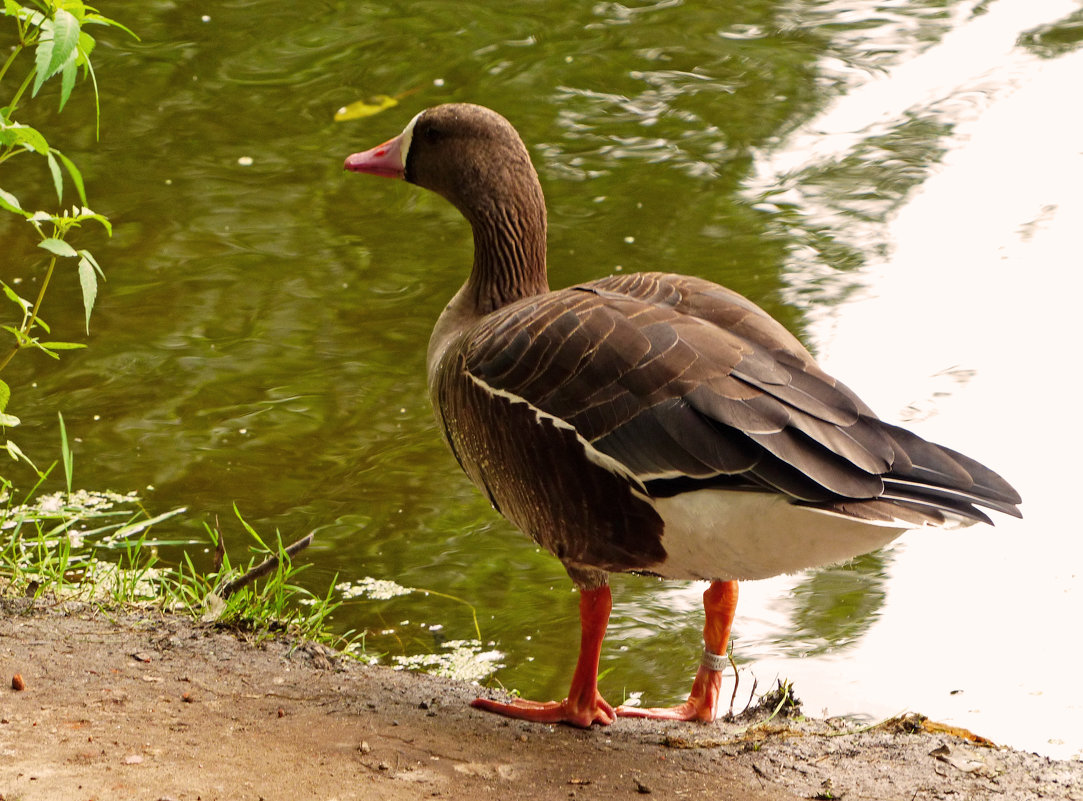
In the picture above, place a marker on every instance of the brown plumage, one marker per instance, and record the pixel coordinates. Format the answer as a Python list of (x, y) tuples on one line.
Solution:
[(650, 422)]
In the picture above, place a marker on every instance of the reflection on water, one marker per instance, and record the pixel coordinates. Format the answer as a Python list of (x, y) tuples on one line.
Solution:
[(260, 339)]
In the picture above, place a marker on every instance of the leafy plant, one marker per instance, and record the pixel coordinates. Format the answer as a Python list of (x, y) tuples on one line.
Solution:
[(233, 597), (55, 33), (52, 543), (96, 548)]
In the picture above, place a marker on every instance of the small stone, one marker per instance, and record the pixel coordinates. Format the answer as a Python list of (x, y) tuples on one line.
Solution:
[(364, 748), (17, 682)]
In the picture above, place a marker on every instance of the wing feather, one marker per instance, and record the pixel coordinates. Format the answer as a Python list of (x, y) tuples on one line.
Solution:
[(685, 383)]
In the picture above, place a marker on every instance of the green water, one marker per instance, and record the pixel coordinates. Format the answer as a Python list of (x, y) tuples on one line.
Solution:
[(260, 340)]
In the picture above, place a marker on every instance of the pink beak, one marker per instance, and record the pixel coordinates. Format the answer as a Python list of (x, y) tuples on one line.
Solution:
[(385, 160)]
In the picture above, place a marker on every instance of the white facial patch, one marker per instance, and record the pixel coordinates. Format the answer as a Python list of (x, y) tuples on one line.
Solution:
[(406, 137)]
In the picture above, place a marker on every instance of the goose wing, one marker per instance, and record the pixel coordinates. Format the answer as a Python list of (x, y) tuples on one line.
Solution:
[(686, 384)]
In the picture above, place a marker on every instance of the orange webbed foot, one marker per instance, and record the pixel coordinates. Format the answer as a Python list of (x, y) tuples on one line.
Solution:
[(583, 715), (702, 703)]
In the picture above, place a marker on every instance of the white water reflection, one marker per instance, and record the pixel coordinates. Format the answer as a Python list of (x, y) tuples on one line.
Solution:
[(964, 331)]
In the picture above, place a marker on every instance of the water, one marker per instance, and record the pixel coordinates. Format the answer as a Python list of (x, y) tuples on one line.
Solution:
[(894, 181)]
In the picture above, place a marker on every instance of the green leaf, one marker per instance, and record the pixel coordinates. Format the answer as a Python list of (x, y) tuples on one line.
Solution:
[(29, 15), (67, 80), (86, 254), (58, 247), (76, 7), (86, 45), (58, 179), (9, 421), (15, 298), (19, 134), (85, 214), (35, 344), (89, 282), (5, 395), (73, 171), (43, 55), (16, 453), (62, 345), (13, 9), (10, 202), (65, 452), (98, 19), (59, 37)]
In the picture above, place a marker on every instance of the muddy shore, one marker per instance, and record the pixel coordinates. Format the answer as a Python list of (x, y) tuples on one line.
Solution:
[(142, 705)]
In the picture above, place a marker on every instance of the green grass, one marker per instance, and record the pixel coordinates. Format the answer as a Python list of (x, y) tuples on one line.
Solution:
[(100, 548)]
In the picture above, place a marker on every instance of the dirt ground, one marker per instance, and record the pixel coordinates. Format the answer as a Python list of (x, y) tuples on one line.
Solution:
[(153, 707)]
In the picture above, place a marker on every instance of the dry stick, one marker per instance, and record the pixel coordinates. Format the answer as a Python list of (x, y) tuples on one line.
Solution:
[(264, 567), (219, 548), (736, 678)]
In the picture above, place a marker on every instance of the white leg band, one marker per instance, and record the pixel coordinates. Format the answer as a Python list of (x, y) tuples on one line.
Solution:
[(714, 661)]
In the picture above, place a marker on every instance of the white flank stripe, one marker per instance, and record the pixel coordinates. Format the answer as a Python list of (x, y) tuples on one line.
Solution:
[(593, 454), (724, 534)]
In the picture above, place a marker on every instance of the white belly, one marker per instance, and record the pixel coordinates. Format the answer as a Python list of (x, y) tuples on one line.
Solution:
[(720, 535)]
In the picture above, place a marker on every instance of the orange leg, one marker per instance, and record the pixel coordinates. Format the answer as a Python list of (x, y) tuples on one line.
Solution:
[(719, 604), (584, 705)]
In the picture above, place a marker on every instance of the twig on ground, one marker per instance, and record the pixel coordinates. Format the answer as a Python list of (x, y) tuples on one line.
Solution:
[(736, 677), (220, 547), (264, 567)]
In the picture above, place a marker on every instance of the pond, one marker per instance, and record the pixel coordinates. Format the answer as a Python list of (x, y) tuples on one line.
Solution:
[(895, 181)]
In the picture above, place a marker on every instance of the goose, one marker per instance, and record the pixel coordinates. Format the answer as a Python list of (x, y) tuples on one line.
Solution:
[(651, 423)]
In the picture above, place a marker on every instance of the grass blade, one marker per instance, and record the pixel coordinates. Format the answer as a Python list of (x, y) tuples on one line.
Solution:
[(67, 458)]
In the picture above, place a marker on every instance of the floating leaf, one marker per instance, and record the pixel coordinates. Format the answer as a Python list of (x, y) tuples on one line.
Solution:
[(360, 108), (5, 395), (369, 587)]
